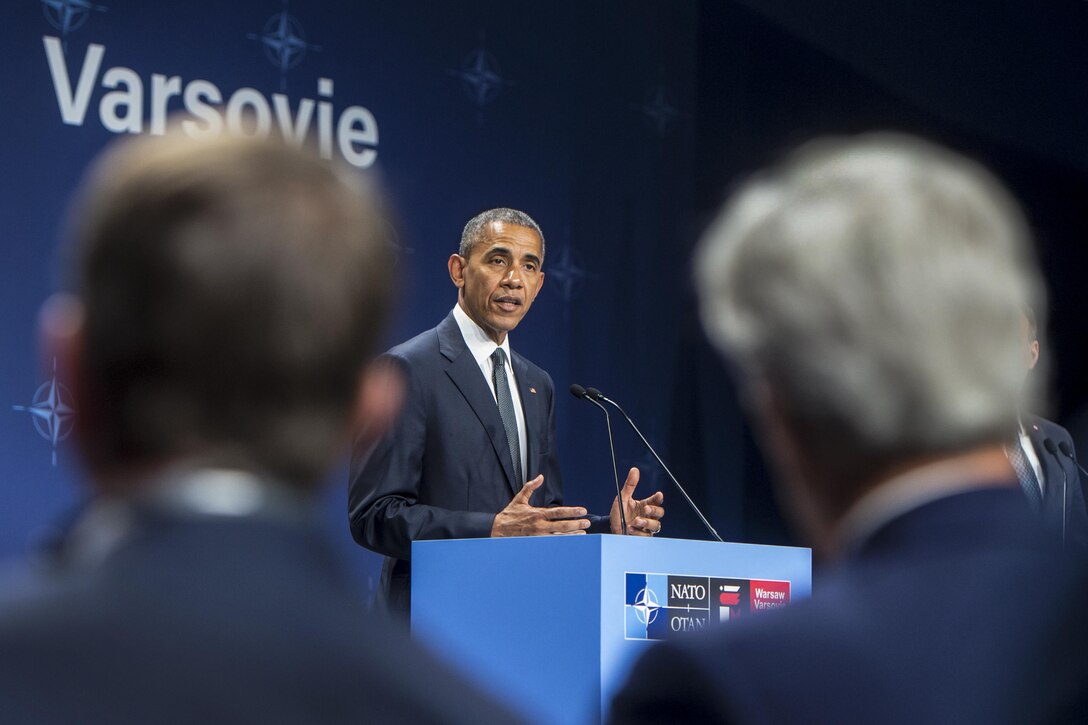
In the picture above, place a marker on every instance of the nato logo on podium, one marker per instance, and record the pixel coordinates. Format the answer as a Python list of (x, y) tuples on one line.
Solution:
[(661, 606)]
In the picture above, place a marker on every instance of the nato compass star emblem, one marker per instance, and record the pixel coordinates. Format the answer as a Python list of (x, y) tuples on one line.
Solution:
[(565, 273), (646, 606), (397, 249), (51, 411), (68, 15), (658, 110), (480, 76), (284, 42)]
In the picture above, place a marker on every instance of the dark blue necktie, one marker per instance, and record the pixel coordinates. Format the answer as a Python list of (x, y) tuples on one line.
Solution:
[(506, 411)]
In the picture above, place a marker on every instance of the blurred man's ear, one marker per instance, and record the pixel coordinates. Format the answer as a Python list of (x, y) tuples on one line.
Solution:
[(378, 399), (798, 478), (60, 331), (61, 343), (1033, 354)]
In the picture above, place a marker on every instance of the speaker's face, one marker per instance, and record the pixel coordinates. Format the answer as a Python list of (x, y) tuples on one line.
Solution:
[(500, 278)]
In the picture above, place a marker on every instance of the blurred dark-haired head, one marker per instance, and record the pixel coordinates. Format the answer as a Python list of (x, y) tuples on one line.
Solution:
[(226, 297)]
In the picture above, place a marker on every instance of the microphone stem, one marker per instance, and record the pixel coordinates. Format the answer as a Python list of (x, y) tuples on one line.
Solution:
[(1052, 449), (666, 468), (615, 470)]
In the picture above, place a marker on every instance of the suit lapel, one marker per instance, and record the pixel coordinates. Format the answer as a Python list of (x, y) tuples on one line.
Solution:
[(466, 375), (532, 409)]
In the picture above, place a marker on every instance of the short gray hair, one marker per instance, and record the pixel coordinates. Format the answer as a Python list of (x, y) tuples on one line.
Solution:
[(875, 284), (477, 226)]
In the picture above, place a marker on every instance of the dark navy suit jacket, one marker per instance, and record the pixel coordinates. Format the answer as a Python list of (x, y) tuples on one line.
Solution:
[(214, 620), (1061, 478), (959, 611), (444, 470)]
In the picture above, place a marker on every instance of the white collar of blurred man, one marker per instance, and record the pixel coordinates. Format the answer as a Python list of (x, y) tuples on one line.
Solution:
[(836, 527), (868, 292), (187, 492), (918, 485)]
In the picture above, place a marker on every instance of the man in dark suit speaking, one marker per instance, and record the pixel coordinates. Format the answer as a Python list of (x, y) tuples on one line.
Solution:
[(473, 453), (868, 292), (226, 299), (1047, 471)]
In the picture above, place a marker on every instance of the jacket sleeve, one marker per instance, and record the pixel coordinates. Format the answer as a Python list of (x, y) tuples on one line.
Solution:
[(384, 485)]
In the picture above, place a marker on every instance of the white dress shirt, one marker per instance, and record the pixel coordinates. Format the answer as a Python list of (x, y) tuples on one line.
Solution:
[(481, 346)]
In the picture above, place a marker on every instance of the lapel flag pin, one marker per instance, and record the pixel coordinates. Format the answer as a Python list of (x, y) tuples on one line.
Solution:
[(532, 390)]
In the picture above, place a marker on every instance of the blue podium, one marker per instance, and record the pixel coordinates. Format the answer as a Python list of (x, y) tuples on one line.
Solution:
[(550, 625)]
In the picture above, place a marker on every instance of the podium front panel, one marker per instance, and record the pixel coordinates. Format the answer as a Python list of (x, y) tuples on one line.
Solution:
[(660, 589), (550, 625)]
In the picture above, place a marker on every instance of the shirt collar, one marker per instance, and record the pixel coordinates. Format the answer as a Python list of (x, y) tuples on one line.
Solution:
[(182, 491), (900, 495), (479, 344)]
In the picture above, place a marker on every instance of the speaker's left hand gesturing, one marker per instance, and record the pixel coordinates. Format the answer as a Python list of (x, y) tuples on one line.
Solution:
[(643, 516)]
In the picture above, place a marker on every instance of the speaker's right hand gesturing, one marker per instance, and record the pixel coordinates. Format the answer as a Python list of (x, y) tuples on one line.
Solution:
[(521, 519)]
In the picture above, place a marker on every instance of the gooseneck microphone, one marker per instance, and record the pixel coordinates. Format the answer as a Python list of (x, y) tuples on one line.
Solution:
[(1067, 451), (1052, 449), (579, 392), (596, 395)]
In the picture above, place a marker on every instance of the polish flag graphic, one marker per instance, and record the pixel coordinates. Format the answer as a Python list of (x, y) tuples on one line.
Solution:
[(728, 597)]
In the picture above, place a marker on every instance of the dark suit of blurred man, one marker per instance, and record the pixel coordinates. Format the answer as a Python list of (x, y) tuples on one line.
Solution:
[(227, 295)]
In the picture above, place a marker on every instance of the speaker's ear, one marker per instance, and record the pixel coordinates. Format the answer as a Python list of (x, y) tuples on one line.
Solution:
[(456, 264)]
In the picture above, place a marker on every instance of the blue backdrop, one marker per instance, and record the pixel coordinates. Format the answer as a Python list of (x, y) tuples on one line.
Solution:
[(554, 108), (618, 125)]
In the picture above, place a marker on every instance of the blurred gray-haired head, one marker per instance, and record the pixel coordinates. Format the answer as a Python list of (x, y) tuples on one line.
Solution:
[(232, 292), (874, 285)]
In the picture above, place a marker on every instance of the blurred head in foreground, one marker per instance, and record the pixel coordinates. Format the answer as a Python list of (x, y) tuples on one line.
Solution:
[(869, 293), (226, 295)]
